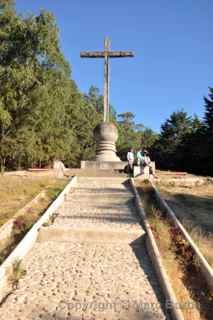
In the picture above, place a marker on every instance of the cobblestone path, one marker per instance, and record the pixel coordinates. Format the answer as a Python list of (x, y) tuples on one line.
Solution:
[(91, 263)]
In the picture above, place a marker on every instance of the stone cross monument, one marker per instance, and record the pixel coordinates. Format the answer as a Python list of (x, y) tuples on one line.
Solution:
[(106, 132)]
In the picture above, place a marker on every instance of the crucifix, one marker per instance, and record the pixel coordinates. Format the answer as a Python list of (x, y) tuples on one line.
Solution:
[(106, 54)]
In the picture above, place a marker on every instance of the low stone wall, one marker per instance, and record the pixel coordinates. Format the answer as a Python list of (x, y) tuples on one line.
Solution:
[(28, 241)]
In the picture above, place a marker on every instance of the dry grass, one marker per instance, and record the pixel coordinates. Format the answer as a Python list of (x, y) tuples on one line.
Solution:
[(194, 207), (17, 191)]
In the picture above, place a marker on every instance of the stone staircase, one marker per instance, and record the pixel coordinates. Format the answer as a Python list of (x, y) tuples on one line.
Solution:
[(91, 263), (96, 210)]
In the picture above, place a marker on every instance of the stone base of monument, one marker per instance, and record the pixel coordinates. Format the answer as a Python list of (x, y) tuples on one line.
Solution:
[(143, 172), (104, 165), (106, 135)]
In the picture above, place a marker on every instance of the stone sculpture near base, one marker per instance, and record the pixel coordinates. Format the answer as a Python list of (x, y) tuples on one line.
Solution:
[(106, 133), (59, 169)]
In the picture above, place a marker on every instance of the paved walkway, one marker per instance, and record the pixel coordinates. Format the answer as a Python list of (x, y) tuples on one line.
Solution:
[(91, 263)]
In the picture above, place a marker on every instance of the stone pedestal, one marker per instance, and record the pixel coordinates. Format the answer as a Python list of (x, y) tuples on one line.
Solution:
[(106, 135), (104, 165)]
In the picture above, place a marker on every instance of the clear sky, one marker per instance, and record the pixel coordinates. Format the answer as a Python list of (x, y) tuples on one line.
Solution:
[(172, 41)]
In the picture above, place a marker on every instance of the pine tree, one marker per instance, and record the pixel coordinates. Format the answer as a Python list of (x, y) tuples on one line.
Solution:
[(209, 111), (173, 131)]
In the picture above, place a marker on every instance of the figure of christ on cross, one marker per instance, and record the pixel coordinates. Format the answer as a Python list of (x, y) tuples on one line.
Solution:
[(106, 54)]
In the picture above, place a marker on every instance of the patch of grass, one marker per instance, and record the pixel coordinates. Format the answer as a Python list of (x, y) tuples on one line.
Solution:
[(51, 220), (17, 273), (53, 192)]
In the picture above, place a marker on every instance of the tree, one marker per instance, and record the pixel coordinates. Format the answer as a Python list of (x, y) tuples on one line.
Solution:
[(208, 120), (126, 126), (7, 5), (197, 124), (31, 71), (166, 150), (148, 138), (96, 100), (132, 135), (43, 115)]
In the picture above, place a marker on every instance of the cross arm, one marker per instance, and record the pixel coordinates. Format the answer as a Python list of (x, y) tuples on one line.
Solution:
[(94, 54), (111, 54), (121, 54)]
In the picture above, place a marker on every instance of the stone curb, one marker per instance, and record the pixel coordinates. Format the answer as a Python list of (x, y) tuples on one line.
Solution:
[(154, 254), (7, 228), (28, 241), (205, 268)]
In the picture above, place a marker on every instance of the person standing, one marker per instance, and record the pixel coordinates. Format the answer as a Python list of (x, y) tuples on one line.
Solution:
[(147, 162), (130, 159), (140, 158)]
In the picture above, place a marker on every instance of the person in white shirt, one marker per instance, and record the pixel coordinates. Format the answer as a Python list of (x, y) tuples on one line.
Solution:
[(130, 158)]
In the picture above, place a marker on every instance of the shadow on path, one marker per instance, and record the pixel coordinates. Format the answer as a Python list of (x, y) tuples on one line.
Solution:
[(139, 248)]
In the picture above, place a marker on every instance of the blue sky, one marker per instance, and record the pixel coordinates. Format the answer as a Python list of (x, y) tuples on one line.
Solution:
[(172, 44)]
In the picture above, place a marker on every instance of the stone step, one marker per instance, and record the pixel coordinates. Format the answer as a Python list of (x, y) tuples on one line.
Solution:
[(102, 184), (79, 208), (106, 215), (100, 200), (117, 180), (103, 221), (101, 190), (103, 208), (99, 197), (95, 188), (64, 233)]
